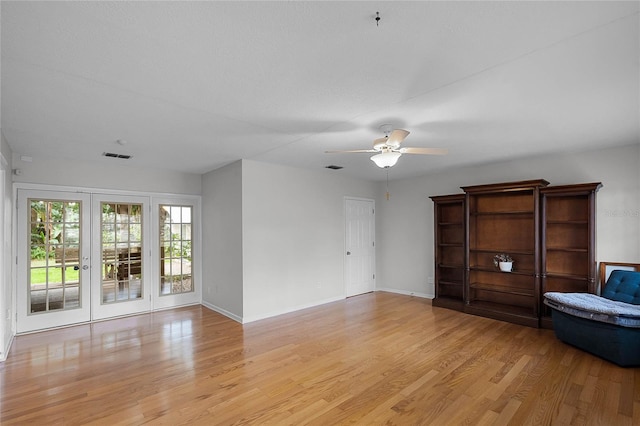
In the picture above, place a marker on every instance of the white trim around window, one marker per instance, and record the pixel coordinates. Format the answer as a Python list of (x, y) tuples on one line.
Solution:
[(155, 200), (178, 299)]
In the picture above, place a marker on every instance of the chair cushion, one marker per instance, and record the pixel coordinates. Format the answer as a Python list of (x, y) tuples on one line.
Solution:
[(623, 286), (596, 308)]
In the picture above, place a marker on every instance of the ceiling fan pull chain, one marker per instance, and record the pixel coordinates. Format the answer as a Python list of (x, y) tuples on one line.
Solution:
[(387, 184)]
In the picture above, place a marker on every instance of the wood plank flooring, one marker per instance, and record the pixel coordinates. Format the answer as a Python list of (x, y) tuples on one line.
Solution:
[(379, 358)]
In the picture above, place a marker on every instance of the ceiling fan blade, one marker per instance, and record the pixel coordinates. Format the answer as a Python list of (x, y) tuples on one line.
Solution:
[(355, 150), (396, 137), (425, 151)]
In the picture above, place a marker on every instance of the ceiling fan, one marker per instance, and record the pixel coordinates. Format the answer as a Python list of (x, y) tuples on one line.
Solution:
[(388, 149)]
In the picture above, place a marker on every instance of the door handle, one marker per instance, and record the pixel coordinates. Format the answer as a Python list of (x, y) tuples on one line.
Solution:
[(348, 253), (85, 267)]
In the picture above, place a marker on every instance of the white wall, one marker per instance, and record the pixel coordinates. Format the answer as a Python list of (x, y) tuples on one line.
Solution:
[(293, 236), (222, 240), (273, 236), (6, 284), (106, 174), (405, 222)]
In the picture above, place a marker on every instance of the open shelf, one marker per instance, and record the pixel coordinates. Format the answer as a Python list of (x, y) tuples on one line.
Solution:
[(449, 232), (568, 241), (451, 266), (566, 276), (549, 231), (502, 250), (502, 289), (503, 312), (450, 289), (451, 283), (569, 249), (501, 307), (503, 218), (504, 213), (568, 222), (497, 271), (565, 283), (455, 303)]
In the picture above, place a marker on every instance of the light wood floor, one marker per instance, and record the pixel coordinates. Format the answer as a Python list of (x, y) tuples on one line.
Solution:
[(378, 358)]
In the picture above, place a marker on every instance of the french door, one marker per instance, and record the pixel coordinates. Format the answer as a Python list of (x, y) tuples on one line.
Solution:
[(120, 273), (80, 257), (53, 259)]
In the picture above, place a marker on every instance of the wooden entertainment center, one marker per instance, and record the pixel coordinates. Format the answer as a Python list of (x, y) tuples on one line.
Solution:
[(549, 231)]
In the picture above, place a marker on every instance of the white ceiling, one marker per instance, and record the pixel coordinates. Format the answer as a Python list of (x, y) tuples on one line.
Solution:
[(192, 86)]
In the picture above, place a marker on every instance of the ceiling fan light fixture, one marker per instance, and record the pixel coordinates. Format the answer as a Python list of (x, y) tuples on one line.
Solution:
[(386, 159)]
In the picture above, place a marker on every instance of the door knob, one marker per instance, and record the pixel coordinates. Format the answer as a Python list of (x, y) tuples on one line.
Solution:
[(348, 253)]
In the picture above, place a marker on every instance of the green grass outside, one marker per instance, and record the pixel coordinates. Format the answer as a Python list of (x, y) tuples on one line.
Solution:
[(39, 273)]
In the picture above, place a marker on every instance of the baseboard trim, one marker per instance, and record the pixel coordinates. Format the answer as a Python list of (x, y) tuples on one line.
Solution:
[(407, 293), (246, 320), (5, 353), (222, 311)]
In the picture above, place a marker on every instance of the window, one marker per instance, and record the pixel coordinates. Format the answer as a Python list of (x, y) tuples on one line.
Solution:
[(175, 249)]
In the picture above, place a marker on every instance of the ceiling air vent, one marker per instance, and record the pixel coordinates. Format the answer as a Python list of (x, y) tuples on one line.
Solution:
[(114, 155), (333, 167)]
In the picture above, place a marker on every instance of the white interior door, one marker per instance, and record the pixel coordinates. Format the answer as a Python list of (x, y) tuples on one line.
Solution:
[(53, 259), (121, 269), (360, 246)]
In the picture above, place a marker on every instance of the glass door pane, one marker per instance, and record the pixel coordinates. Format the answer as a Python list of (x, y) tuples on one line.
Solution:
[(53, 261), (121, 240), (54, 270), (121, 282)]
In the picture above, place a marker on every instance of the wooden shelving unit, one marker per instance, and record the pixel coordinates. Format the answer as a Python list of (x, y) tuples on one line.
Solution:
[(549, 231), (504, 218), (449, 233), (568, 240)]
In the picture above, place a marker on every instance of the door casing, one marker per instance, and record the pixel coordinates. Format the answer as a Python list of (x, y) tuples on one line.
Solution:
[(154, 199), (25, 321)]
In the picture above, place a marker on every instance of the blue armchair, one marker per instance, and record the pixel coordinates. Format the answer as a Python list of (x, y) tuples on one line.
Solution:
[(607, 326)]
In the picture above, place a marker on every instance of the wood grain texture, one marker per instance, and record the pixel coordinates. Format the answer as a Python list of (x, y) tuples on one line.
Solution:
[(378, 358)]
